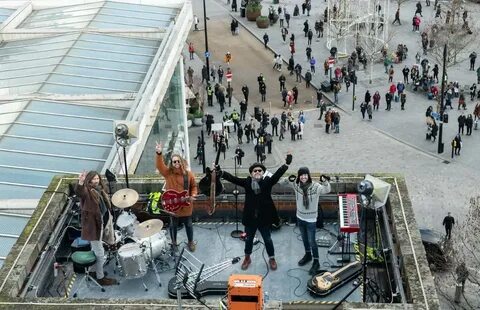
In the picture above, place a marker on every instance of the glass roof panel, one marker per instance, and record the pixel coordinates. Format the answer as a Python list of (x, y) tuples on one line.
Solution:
[(76, 109), (64, 134), (26, 64), (11, 74), (8, 191), (120, 40), (111, 55), (4, 14), (65, 121), (7, 243), (100, 63), (101, 73), (14, 225), (23, 176), (47, 162), (127, 22), (61, 148)]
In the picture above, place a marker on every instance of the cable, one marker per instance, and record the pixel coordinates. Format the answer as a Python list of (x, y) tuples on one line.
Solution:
[(265, 260)]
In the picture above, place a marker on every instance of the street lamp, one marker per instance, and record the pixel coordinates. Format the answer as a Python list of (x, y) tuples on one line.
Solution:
[(207, 53), (442, 107), (353, 80)]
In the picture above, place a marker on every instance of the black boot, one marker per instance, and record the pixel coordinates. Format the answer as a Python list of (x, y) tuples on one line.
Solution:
[(305, 259), (315, 266)]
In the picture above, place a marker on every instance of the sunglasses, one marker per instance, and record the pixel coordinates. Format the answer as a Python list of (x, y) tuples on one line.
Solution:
[(175, 161), (257, 170)]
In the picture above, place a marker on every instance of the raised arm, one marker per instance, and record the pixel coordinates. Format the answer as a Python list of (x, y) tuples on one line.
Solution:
[(160, 162), (233, 179), (80, 188), (280, 171)]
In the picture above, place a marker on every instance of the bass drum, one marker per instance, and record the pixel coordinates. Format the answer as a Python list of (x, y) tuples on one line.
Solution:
[(127, 222), (133, 264), (155, 245)]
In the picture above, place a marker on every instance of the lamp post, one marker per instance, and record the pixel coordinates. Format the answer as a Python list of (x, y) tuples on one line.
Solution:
[(353, 79), (442, 107), (207, 53)]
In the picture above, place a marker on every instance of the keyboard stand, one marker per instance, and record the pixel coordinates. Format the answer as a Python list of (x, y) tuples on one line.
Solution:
[(343, 240)]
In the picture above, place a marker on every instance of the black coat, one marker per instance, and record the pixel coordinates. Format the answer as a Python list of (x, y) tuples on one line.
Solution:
[(262, 203)]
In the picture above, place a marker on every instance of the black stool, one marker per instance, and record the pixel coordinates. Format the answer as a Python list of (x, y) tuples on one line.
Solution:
[(85, 260)]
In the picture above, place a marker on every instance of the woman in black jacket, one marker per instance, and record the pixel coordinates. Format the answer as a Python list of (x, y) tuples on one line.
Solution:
[(259, 211)]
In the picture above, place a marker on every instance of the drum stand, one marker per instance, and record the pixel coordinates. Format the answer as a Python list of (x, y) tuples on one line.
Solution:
[(152, 261)]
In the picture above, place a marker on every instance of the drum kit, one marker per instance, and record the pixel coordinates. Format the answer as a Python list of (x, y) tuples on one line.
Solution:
[(137, 245)]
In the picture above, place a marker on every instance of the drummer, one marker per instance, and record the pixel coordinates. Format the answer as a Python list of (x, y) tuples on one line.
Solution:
[(96, 219), (178, 178)]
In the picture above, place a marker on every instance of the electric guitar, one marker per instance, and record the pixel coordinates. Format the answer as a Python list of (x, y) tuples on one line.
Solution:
[(172, 201), (328, 280)]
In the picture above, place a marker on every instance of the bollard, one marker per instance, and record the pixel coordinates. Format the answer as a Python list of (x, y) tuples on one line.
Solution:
[(458, 292)]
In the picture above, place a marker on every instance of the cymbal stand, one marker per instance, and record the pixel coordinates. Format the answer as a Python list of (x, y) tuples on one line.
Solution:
[(237, 232), (152, 261)]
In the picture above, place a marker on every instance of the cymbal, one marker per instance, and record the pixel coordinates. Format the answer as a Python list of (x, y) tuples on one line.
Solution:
[(148, 228), (124, 198)]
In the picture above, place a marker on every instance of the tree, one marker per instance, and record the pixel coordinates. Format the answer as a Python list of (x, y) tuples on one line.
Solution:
[(450, 29), (465, 247)]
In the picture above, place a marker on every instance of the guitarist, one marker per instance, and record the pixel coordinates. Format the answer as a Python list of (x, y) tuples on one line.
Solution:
[(259, 211), (178, 178)]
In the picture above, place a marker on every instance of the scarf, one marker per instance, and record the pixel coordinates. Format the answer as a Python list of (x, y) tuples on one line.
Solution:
[(304, 187), (256, 187)]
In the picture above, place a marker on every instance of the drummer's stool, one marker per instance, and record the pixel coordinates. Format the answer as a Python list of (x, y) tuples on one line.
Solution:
[(85, 259)]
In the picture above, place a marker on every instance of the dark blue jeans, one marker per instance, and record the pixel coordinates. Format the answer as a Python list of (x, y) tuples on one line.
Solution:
[(187, 221), (308, 230), (267, 239)]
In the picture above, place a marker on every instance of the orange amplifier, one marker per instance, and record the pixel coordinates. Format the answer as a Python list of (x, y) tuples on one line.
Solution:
[(245, 292)]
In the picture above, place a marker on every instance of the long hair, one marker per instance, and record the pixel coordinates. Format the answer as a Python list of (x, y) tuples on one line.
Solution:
[(183, 164), (90, 175)]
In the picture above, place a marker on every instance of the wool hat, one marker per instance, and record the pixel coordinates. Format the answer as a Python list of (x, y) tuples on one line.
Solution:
[(257, 165), (301, 171)]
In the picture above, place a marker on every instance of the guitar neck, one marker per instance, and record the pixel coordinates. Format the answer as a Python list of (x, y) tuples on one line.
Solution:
[(339, 271)]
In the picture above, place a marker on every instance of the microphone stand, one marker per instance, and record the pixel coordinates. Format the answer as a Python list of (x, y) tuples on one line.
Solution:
[(236, 233)]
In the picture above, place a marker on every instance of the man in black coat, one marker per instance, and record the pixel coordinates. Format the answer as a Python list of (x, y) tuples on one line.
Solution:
[(448, 222), (245, 92), (259, 211)]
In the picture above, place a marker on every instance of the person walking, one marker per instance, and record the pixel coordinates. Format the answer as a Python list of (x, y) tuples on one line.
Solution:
[(419, 9), (403, 100), (274, 121), (284, 32), (473, 57), (191, 50), (391, 72), (369, 111), (312, 64), (298, 73), (281, 80), (323, 109), (376, 100), (363, 109), (96, 220), (328, 121), (220, 73), (263, 91), (448, 222), (307, 194), (308, 79), (457, 144), (397, 17), (388, 100), (469, 124), (309, 37), (239, 154), (265, 39), (461, 123), (283, 129), (405, 72), (259, 211), (205, 74), (245, 92), (178, 178)]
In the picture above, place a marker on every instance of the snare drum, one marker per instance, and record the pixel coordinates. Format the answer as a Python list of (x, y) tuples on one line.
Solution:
[(133, 263), (159, 244), (127, 222)]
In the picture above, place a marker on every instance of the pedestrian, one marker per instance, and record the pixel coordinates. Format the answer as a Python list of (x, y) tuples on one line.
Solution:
[(213, 73), (376, 100), (195, 22), (228, 58), (391, 72), (363, 109), (274, 121), (419, 9), (457, 144), (268, 142), (462, 275), (205, 74), (265, 39), (405, 72), (281, 80), (298, 73), (220, 73), (287, 19), (307, 194), (308, 52), (239, 154), (291, 65), (448, 222), (234, 5), (388, 100), (336, 89), (292, 47), (461, 101), (96, 218), (245, 92), (178, 178), (284, 33), (312, 64), (208, 123), (191, 50), (308, 78), (323, 108), (328, 121), (403, 100), (263, 91), (368, 97), (190, 75), (283, 129), (293, 131), (259, 210), (281, 17), (473, 57), (295, 93), (310, 37), (369, 111), (397, 17), (469, 124)]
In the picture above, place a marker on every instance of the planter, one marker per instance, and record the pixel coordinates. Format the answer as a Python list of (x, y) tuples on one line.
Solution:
[(198, 121), (253, 13), (189, 123), (262, 22)]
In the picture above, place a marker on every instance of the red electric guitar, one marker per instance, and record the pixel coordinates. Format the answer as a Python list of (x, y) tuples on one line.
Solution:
[(172, 201)]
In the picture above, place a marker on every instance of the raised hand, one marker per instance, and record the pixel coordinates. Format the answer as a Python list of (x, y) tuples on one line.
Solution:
[(288, 158), (81, 177), (158, 147)]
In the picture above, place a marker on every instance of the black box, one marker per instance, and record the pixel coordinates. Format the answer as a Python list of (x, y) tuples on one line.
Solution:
[(325, 86)]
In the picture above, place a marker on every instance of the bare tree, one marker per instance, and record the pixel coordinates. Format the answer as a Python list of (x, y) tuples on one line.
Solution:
[(451, 29), (464, 247)]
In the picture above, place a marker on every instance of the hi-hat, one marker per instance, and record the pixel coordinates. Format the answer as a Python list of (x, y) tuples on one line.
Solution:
[(124, 198), (148, 228)]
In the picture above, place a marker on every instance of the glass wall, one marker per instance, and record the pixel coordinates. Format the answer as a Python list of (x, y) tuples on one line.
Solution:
[(168, 127)]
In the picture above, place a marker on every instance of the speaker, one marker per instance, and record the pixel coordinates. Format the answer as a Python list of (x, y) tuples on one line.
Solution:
[(125, 131), (381, 189)]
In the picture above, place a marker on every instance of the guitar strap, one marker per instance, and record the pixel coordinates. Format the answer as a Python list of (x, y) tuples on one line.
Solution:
[(185, 182)]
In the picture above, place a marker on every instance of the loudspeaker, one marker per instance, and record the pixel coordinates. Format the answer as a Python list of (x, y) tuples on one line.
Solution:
[(381, 189), (125, 131)]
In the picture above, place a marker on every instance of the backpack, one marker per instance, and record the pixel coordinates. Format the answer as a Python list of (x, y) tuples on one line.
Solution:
[(153, 206)]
